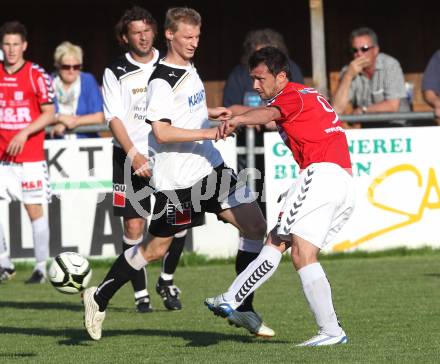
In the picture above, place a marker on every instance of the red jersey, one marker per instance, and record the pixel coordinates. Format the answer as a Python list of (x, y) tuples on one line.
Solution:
[(21, 96), (310, 127)]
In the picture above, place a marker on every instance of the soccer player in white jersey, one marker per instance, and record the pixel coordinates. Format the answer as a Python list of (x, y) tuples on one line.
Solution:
[(317, 205), (188, 173), (124, 90)]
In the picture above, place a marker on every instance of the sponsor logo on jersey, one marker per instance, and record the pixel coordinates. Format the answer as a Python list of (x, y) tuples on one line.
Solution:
[(197, 99), (139, 90), (172, 74), (179, 214), (12, 115), (119, 195), (18, 95), (123, 69), (28, 186)]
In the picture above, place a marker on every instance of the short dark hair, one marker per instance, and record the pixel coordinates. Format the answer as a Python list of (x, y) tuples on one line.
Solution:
[(359, 32), (275, 60), (13, 27), (133, 14)]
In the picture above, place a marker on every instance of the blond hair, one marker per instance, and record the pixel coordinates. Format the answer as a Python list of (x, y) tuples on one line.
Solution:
[(67, 49), (175, 16)]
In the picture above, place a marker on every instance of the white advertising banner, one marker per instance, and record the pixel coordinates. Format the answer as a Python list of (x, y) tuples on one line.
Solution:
[(396, 172), (81, 215)]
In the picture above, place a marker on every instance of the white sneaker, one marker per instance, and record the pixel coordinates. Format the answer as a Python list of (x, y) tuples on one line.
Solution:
[(323, 339), (93, 318), (219, 306), (252, 322)]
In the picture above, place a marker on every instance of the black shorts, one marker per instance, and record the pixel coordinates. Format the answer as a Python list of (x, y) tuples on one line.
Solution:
[(126, 202), (178, 210)]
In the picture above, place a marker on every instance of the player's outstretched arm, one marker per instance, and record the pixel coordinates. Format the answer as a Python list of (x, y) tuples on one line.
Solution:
[(166, 133), (257, 116)]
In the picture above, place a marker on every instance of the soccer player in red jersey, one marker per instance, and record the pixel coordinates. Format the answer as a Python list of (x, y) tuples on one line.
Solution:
[(26, 108), (317, 205)]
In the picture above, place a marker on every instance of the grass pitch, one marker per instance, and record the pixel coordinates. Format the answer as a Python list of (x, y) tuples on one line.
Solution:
[(389, 307)]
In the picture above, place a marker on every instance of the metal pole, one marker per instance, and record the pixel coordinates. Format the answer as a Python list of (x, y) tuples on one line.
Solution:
[(318, 46)]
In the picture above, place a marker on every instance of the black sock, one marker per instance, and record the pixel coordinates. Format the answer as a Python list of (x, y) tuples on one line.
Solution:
[(241, 262), (163, 282), (119, 274), (138, 281), (171, 259)]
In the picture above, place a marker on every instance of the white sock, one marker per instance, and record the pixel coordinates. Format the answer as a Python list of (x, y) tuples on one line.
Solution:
[(256, 273), (319, 296), (40, 233), (249, 245), (140, 294), (135, 258), (132, 241), (5, 261), (41, 266), (166, 276)]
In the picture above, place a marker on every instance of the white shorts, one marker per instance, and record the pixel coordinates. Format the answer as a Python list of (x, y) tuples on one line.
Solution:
[(26, 182), (318, 204)]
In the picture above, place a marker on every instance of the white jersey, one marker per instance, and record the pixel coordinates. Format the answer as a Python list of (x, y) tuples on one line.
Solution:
[(176, 94), (124, 89)]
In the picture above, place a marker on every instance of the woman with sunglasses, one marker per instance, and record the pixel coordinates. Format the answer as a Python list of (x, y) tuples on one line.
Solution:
[(78, 97)]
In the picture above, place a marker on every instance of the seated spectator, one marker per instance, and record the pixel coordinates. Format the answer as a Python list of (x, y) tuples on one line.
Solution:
[(373, 82), (78, 96), (239, 82), (431, 84)]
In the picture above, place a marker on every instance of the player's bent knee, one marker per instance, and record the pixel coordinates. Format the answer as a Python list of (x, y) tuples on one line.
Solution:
[(134, 226), (302, 258)]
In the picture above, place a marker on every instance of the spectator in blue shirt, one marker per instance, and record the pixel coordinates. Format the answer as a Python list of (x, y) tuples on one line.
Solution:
[(78, 96), (239, 82)]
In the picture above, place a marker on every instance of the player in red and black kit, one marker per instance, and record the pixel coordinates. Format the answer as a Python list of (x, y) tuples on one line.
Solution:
[(317, 205), (26, 108)]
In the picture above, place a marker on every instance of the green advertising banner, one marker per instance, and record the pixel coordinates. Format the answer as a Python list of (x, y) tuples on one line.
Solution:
[(396, 173)]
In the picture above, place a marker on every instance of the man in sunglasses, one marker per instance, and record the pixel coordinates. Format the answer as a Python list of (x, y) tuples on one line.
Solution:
[(373, 82)]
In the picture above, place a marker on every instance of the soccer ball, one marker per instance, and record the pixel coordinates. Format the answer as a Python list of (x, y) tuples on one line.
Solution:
[(70, 272)]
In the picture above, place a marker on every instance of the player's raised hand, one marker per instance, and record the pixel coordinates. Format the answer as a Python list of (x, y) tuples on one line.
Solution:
[(16, 145)]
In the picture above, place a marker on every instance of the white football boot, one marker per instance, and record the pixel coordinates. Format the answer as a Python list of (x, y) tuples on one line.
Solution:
[(93, 318), (249, 320), (323, 339)]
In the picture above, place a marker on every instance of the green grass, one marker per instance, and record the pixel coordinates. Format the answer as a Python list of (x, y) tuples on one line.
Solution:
[(389, 307)]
